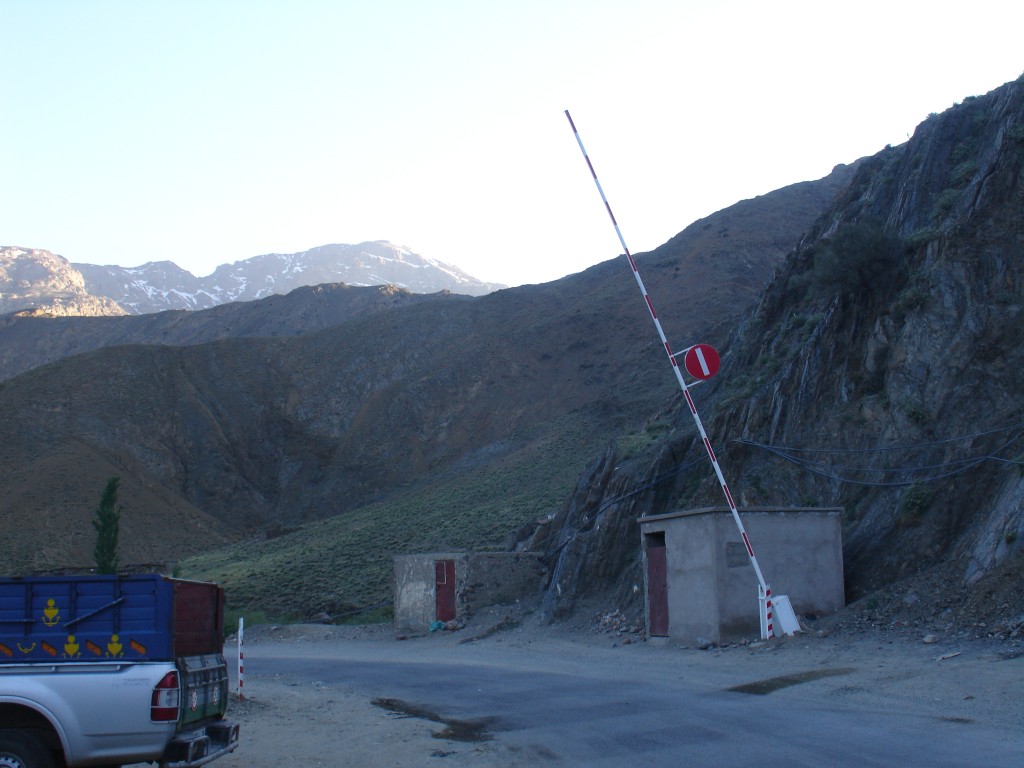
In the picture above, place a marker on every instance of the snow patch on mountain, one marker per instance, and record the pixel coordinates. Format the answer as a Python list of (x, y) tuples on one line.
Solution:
[(159, 286)]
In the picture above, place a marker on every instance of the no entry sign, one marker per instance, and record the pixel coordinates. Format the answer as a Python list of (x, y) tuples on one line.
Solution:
[(701, 361)]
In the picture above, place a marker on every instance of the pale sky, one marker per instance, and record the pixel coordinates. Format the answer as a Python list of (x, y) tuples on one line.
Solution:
[(205, 132)]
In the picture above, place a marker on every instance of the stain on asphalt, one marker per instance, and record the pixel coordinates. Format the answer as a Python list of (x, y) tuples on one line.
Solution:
[(772, 684), (454, 730)]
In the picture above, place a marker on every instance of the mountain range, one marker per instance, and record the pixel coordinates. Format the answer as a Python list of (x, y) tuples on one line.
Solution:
[(869, 330), (45, 283), (260, 416)]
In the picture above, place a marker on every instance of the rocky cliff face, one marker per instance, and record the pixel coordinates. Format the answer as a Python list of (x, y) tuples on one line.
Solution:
[(909, 371), (41, 283), (880, 372)]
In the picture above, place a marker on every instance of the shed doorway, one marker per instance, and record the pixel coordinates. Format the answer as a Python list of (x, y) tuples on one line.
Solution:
[(444, 582), (657, 584)]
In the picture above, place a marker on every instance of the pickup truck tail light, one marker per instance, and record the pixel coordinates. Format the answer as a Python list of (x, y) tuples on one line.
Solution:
[(166, 698)]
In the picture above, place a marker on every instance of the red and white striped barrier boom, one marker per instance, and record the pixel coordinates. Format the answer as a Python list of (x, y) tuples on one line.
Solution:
[(241, 658), (767, 628)]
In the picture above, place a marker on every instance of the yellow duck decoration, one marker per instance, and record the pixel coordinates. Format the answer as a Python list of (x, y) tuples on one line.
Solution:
[(114, 647), (71, 648), (51, 613)]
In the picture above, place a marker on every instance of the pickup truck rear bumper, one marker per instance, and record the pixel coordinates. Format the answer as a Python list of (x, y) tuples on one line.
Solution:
[(190, 749)]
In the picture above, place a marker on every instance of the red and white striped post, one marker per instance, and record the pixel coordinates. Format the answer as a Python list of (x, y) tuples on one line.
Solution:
[(764, 591), (241, 657)]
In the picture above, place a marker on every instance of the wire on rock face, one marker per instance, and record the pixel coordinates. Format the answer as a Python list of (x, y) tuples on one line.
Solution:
[(906, 475)]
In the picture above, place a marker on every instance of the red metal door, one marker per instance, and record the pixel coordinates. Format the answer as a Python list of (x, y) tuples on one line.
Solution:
[(657, 590), (444, 572)]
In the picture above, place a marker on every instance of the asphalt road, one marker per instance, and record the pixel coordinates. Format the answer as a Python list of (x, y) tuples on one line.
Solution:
[(569, 711)]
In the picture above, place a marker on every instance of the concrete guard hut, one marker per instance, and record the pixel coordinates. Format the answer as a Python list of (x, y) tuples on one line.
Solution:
[(447, 586), (701, 588)]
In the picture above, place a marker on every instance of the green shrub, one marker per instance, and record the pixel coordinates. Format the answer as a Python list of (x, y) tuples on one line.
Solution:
[(963, 172), (919, 238), (913, 505), (944, 202), (917, 414), (912, 297), (636, 442), (856, 258), (252, 618), (377, 615), (962, 152)]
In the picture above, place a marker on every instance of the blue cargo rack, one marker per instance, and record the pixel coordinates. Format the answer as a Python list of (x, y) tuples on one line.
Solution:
[(86, 619)]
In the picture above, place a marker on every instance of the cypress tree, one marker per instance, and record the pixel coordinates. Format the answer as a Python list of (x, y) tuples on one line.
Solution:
[(107, 525)]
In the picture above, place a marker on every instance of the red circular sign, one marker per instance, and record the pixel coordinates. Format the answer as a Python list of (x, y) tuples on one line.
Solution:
[(701, 361)]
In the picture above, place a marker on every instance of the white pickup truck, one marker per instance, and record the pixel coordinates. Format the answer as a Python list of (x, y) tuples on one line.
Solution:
[(106, 671)]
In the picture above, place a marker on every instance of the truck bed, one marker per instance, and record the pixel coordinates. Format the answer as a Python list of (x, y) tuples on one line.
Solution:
[(146, 617)]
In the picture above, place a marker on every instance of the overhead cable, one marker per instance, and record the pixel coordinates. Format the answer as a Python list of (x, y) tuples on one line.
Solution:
[(939, 471)]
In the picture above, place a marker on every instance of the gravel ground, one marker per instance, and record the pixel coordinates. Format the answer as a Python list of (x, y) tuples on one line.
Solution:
[(889, 664)]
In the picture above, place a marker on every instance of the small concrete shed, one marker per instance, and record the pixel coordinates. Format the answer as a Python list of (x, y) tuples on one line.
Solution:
[(701, 587), (444, 586)]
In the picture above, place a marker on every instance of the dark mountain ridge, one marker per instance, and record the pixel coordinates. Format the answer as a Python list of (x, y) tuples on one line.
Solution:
[(28, 340), (261, 434)]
